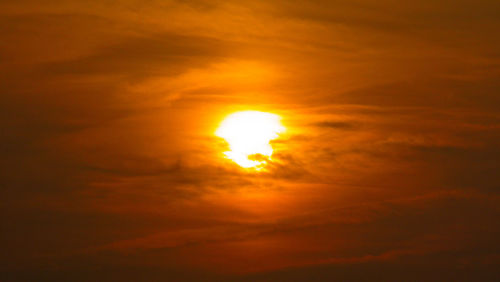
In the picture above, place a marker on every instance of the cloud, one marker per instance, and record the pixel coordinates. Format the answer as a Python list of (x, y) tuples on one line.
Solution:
[(340, 125), (166, 54)]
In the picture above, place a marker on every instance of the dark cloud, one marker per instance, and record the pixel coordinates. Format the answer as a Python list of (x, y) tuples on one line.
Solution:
[(340, 125), (166, 54)]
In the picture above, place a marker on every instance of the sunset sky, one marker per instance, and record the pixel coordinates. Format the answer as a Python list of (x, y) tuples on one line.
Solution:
[(385, 161)]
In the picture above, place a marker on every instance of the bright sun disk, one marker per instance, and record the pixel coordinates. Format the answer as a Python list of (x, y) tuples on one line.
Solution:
[(248, 134)]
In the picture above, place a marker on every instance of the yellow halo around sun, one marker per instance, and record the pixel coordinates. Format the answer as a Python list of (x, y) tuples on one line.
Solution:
[(248, 134)]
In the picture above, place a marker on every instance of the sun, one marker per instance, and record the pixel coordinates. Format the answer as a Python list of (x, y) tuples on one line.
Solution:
[(248, 134)]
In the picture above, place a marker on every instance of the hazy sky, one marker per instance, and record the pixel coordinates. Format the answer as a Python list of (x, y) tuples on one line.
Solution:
[(389, 168)]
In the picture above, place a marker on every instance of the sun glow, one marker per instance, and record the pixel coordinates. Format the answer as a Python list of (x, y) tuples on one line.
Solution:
[(249, 134)]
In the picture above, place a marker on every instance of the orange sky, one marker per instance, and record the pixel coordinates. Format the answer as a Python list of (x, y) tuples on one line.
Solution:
[(388, 170)]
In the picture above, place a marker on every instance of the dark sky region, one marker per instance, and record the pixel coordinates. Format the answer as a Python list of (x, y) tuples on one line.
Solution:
[(389, 169)]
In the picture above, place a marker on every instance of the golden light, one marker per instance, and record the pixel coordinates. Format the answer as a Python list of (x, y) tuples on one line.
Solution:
[(249, 134)]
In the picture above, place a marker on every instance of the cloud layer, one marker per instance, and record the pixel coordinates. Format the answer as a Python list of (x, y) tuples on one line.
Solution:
[(110, 169)]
